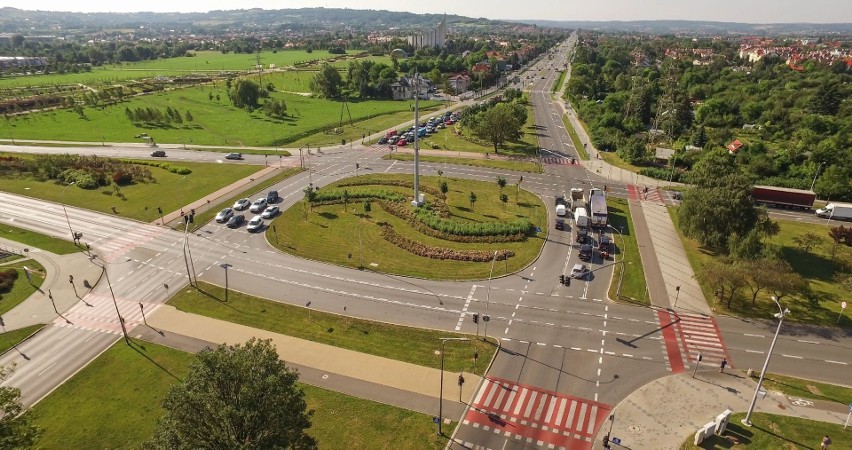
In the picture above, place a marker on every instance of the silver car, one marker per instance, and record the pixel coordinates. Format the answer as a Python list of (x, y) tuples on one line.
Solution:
[(255, 224), (270, 212), (224, 215), (258, 205), (242, 204)]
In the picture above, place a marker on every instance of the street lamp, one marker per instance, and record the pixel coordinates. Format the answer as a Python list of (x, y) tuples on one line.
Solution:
[(225, 266), (780, 315), (441, 396), (62, 202), (816, 174), (488, 291)]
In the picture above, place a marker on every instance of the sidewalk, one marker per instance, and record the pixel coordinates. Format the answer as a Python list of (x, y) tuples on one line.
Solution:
[(38, 309), (667, 411), (359, 374)]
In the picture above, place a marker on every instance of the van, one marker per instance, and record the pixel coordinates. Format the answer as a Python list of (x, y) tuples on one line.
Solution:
[(581, 218)]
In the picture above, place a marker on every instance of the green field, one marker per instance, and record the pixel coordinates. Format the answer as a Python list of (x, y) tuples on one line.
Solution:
[(575, 139), (797, 387), (816, 267), (138, 201), (412, 345), (11, 338), (22, 288), (494, 163), (82, 414), (215, 122), (37, 240), (331, 232), (633, 284), (459, 139), (769, 431)]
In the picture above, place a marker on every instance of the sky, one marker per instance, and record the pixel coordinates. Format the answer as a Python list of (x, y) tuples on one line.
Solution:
[(749, 11)]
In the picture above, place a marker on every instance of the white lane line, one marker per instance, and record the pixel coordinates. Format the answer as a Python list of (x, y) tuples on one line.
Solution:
[(836, 362), (806, 341), (754, 351), (754, 335), (791, 356)]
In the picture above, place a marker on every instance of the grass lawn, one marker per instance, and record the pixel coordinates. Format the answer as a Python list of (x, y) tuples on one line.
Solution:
[(328, 234), (22, 288), (558, 83), (125, 415), (451, 139), (771, 431), (215, 122), (138, 201), (633, 285), (505, 164), (36, 240), (208, 214), (413, 345), (816, 267), (613, 159), (798, 387), (11, 338), (575, 139)]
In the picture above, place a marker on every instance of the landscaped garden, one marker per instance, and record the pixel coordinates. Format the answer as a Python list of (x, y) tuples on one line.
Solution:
[(457, 234)]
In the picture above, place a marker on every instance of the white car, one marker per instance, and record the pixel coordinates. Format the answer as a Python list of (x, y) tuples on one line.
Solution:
[(561, 210), (242, 204), (224, 215), (255, 224), (270, 212), (258, 205), (579, 271)]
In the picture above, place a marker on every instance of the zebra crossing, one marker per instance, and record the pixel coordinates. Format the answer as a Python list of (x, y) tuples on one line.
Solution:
[(700, 335), (97, 312), (112, 248), (559, 160), (535, 416), (645, 193)]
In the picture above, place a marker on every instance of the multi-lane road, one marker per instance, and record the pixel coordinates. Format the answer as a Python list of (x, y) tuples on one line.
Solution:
[(567, 353)]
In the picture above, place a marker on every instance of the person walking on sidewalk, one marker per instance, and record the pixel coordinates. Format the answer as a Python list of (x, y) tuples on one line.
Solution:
[(826, 441), (722, 365)]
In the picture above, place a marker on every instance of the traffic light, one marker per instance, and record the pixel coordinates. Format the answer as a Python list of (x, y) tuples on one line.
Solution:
[(567, 281), (475, 317), (357, 166), (561, 279), (461, 380), (606, 441)]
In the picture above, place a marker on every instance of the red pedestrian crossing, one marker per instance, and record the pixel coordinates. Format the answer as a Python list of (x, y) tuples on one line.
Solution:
[(645, 193), (535, 416), (559, 160), (685, 336)]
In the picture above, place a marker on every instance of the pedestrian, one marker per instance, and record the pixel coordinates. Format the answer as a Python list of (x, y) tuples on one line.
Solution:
[(826, 441), (722, 366)]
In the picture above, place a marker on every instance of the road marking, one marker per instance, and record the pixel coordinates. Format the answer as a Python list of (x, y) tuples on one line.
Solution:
[(835, 362), (754, 351), (807, 342), (791, 356), (754, 335)]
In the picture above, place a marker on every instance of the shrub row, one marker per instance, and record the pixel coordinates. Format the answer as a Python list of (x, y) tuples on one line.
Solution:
[(432, 220), (661, 173), (405, 213), (401, 183), (327, 197), (426, 251), (180, 170), (7, 279)]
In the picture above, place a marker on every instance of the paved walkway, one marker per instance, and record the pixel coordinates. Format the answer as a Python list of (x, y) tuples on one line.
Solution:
[(665, 412)]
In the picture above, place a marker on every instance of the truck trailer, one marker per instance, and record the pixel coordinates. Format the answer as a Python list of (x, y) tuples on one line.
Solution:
[(780, 197), (836, 211)]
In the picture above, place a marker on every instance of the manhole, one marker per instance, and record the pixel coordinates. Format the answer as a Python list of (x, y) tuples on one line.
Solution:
[(633, 428)]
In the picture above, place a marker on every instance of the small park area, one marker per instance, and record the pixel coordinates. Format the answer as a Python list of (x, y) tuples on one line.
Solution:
[(368, 222)]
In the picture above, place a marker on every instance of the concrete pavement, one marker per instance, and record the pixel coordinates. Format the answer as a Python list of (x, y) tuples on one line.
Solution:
[(666, 411)]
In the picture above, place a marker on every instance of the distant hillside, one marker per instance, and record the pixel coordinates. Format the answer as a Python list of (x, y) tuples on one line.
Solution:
[(698, 27), (13, 20)]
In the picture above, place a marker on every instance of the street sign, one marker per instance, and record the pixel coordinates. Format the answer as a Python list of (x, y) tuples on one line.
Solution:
[(435, 419), (843, 305), (486, 318), (27, 273), (615, 441)]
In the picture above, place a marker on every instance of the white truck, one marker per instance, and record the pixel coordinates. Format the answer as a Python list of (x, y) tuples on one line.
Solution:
[(597, 207), (836, 211)]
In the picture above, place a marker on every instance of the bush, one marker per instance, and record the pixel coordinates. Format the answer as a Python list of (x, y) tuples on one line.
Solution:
[(661, 173), (122, 178), (7, 279)]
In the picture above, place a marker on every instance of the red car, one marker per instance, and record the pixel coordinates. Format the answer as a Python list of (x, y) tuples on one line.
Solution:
[(401, 142), (390, 133)]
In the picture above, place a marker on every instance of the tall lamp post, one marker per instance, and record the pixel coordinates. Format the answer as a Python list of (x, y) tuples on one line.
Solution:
[(780, 315), (488, 290), (816, 174), (441, 397), (416, 202), (62, 202), (225, 266)]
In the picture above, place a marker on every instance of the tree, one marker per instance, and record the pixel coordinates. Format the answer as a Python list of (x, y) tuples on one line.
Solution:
[(826, 100), (367, 207), (310, 195), (725, 276), (345, 199), (472, 199), (16, 429), (505, 199), (834, 182), (275, 108), (808, 241), (444, 188), (497, 125), (236, 396), (245, 94), (501, 182), (748, 247), (326, 83), (188, 116)]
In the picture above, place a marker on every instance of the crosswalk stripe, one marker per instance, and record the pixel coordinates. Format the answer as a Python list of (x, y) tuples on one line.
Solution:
[(592, 416), (570, 422), (582, 417), (521, 399), (530, 403)]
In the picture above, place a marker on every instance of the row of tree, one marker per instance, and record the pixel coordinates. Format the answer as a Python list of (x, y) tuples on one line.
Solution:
[(157, 115)]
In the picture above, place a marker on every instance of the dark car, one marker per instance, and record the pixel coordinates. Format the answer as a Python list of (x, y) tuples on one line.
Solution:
[(158, 154), (383, 140), (236, 221), (234, 156), (560, 224), (585, 252), (271, 196)]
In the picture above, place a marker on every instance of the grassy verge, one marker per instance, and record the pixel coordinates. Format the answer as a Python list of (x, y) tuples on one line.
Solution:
[(327, 233), (815, 390), (412, 345), (37, 240), (138, 201), (459, 139), (558, 83), (633, 284), (816, 267), (770, 431), (208, 214), (22, 288), (613, 159), (142, 374), (575, 139), (11, 338), (504, 164)]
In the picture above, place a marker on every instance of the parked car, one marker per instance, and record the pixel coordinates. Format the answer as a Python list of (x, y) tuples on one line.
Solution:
[(579, 271), (234, 156), (258, 205), (270, 212), (242, 204), (401, 142), (236, 221), (272, 196), (224, 215), (383, 140), (158, 153), (255, 224), (441, 125), (393, 139)]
